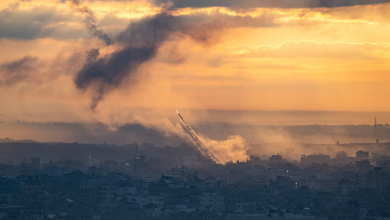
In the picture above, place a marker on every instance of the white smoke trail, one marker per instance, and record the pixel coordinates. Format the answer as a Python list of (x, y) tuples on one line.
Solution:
[(219, 151), (194, 136)]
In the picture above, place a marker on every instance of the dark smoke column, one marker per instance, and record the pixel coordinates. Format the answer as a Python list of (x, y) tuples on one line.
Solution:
[(140, 43), (201, 146), (90, 22)]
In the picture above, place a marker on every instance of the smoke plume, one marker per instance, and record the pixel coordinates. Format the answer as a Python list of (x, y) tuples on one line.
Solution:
[(91, 22), (235, 148), (18, 70), (142, 41), (199, 143)]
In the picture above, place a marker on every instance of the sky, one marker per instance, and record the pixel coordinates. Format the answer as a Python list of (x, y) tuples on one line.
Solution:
[(69, 60)]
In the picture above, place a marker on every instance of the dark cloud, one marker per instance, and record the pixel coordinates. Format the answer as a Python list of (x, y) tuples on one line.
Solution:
[(267, 3), (141, 42), (44, 22), (38, 23), (18, 70)]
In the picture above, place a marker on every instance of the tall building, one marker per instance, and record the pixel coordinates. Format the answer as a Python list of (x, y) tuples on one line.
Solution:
[(274, 159), (362, 155), (341, 155)]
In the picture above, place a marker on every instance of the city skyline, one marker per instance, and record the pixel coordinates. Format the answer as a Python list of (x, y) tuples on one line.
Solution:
[(194, 109)]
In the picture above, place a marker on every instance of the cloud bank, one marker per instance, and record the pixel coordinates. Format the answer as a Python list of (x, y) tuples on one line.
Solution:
[(268, 3)]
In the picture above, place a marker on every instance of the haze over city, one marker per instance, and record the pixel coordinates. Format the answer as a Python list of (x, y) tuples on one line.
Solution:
[(193, 109)]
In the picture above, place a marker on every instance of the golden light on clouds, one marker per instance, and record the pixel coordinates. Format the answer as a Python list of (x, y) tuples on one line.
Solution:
[(261, 59)]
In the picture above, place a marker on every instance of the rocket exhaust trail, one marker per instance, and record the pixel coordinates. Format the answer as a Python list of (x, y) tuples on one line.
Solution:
[(201, 147)]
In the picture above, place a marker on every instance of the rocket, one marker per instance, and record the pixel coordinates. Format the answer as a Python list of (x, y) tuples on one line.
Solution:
[(192, 132), (201, 147), (187, 125), (179, 115)]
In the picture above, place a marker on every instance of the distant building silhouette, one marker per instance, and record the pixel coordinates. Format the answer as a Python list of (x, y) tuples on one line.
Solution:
[(362, 155)]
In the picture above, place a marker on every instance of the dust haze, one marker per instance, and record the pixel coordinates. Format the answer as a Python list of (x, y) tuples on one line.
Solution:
[(228, 141)]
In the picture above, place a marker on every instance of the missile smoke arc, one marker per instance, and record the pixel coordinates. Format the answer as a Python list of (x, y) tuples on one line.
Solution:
[(201, 146)]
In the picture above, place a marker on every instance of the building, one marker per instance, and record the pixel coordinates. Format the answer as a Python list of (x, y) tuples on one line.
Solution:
[(93, 162), (36, 162), (282, 182), (362, 155), (139, 165), (212, 201), (341, 155), (314, 159), (144, 165), (363, 166), (377, 178), (274, 159), (382, 161), (143, 201), (56, 171), (190, 161), (245, 208)]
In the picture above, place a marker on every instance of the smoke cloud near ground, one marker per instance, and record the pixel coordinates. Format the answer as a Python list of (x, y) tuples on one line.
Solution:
[(234, 148), (104, 72), (285, 141), (219, 151)]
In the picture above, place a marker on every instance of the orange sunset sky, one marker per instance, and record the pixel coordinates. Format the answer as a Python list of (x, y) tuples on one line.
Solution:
[(233, 55)]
